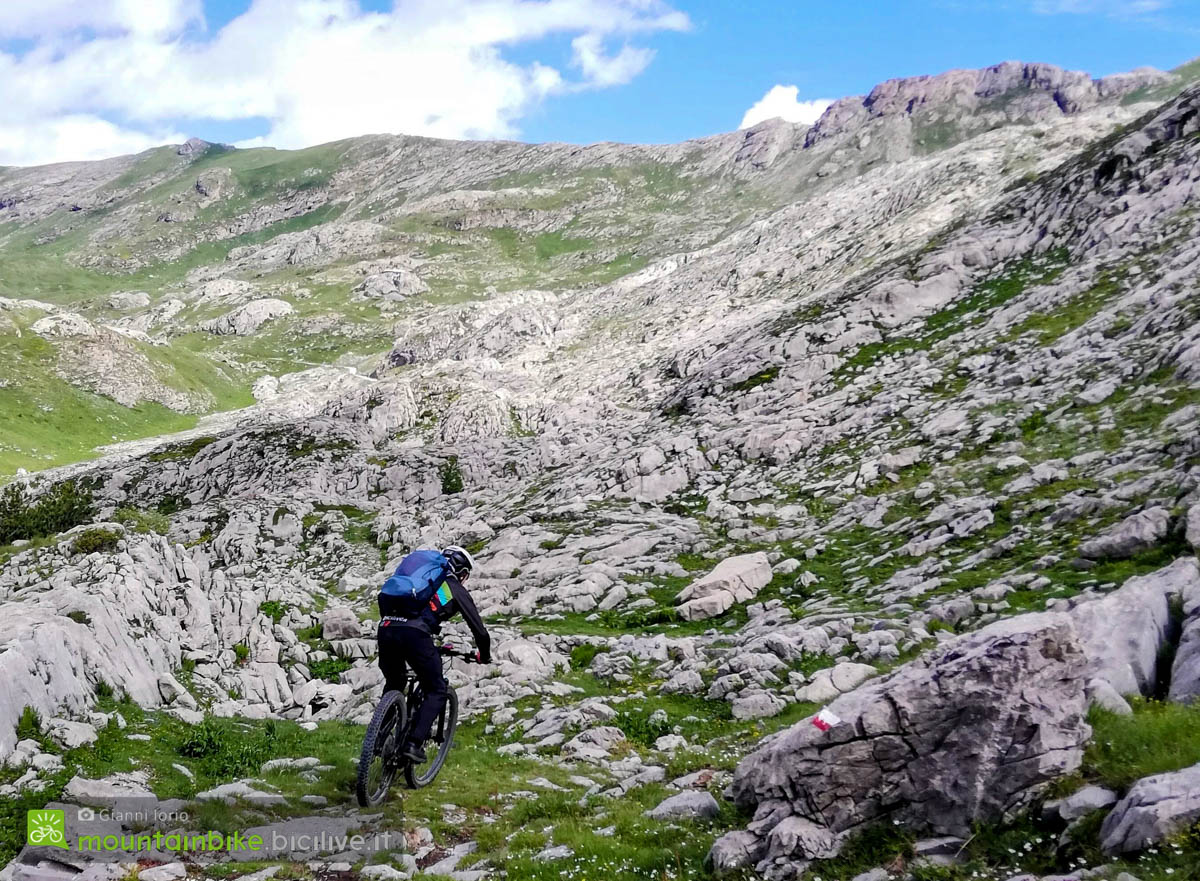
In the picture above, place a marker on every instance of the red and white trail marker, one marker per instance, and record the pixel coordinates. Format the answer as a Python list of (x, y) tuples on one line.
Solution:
[(825, 720)]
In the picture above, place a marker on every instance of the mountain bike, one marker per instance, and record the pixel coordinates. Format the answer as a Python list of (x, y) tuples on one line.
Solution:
[(381, 758)]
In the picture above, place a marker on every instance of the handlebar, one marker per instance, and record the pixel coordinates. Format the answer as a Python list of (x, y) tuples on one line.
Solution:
[(451, 651)]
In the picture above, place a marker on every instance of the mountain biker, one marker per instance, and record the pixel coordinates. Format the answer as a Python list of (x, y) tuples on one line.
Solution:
[(406, 632)]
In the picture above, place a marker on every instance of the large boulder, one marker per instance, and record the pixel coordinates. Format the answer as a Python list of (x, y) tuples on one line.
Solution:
[(1155, 808), (733, 580), (247, 319), (970, 733), (390, 285), (1185, 672), (340, 623), (1122, 632), (1137, 532)]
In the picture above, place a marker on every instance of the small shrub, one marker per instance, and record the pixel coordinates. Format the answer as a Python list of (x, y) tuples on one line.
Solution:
[(104, 691), (29, 726), (62, 507), (640, 728), (79, 617), (452, 479), (224, 749), (1032, 424), (172, 504), (329, 669), (241, 651), (583, 654), (274, 610), (551, 544), (92, 541)]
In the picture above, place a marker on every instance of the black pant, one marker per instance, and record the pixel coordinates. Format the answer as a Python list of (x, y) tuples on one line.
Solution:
[(400, 647)]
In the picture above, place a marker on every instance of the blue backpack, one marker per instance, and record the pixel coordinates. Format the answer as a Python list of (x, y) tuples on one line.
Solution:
[(417, 577)]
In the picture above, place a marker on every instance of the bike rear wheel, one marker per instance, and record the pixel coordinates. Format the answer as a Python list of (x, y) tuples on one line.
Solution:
[(379, 761), (442, 737)]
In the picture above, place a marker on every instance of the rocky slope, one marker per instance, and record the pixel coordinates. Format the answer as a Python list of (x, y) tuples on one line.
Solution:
[(734, 426)]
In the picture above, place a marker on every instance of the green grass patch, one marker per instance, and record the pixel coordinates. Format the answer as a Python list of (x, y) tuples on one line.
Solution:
[(1063, 318), (752, 382), (1158, 737), (551, 244), (144, 522)]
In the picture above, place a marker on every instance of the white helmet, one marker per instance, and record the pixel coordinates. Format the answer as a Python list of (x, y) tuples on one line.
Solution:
[(460, 558)]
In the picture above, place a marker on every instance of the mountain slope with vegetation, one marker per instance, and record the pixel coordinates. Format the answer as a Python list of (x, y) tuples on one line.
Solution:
[(737, 429)]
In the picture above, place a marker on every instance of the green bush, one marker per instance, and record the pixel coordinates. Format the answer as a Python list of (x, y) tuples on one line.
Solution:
[(639, 727), (144, 522), (62, 507), (452, 479), (29, 726), (330, 669), (241, 651), (171, 504), (274, 610), (79, 617), (583, 654), (91, 541)]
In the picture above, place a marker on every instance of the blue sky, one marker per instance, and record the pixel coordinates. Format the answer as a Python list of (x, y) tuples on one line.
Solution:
[(120, 75)]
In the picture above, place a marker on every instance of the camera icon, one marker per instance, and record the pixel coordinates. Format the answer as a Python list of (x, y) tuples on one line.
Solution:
[(86, 815)]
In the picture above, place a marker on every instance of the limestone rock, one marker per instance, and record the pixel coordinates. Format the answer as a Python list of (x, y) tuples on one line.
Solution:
[(908, 743), (340, 623), (734, 580), (247, 319), (1122, 633), (391, 285), (1185, 670), (1192, 533), (1138, 532), (1154, 808), (685, 805)]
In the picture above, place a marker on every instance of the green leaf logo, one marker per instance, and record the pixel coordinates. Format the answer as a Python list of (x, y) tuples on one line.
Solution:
[(46, 829)]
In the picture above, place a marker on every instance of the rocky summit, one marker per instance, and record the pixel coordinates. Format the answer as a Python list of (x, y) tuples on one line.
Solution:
[(834, 491)]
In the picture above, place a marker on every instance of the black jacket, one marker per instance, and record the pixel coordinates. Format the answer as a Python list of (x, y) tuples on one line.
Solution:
[(450, 599)]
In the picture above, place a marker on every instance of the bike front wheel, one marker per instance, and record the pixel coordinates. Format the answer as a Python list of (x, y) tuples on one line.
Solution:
[(442, 737), (378, 763)]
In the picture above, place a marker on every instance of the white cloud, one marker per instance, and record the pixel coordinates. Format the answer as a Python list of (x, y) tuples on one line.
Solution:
[(40, 18), (74, 138), (1116, 8), (784, 102), (316, 70), (608, 70)]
